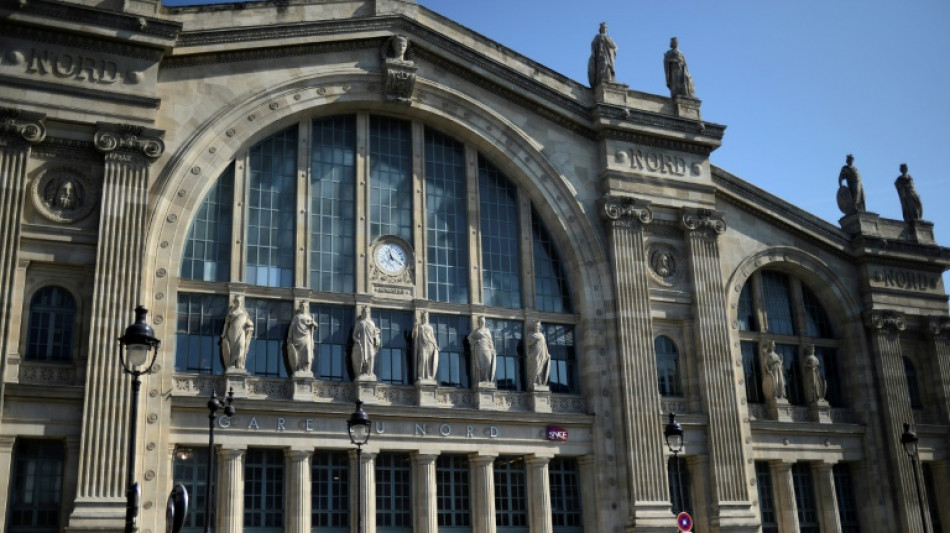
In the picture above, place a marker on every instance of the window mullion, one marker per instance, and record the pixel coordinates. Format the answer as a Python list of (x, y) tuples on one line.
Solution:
[(239, 220), (419, 209), (798, 310), (362, 202), (302, 227), (527, 251), (474, 217), (759, 303)]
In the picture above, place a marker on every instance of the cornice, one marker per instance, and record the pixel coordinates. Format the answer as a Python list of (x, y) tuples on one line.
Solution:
[(60, 149), (75, 41), (91, 16), (714, 132), (285, 31), (877, 248), (256, 54)]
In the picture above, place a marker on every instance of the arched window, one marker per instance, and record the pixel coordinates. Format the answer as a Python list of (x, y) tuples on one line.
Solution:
[(312, 214), (52, 319), (913, 385), (774, 306), (667, 366)]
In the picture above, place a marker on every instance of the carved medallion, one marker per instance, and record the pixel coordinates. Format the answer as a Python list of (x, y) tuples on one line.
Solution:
[(665, 264), (64, 195)]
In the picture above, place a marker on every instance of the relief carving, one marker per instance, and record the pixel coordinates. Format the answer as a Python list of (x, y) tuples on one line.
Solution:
[(664, 264), (399, 69), (707, 221), (64, 195), (885, 322), (125, 142), (626, 211), (21, 125)]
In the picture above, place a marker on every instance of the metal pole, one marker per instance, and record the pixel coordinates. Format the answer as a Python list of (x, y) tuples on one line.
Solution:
[(359, 489), (679, 484), (131, 505), (914, 463), (209, 491)]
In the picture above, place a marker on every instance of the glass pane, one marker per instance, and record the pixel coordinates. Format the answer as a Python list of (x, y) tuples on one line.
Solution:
[(500, 223), (332, 341), (763, 476), (816, 320), (847, 503), (190, 469), (50, 330), (272, 180), (778, 303), (560, 340), (393, 492), (207, 254), (827, 357), (333, 204), (511, 498), (667, 366), (452, 492), (390, 176), (746, 312), (200, 323), (550, 281), (263, 488), (678, 474), (564, 480), (266, 356), (805, 498), (752, 370), (446, 220), (507, 335), (793, 372), (451, 331), (394, 359), (330, 500), (36, 487)]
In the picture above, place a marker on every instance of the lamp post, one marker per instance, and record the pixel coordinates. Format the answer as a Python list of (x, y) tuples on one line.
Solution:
[(909, 441), (214, 404), (358, 428), (674, 441), (138, 340)]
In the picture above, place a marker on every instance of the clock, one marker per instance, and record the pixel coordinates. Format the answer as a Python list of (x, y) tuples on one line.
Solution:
[(391, 258)]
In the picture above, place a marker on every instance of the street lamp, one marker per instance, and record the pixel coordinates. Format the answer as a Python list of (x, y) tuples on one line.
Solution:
[(137, 341), (358, 428), (909, 441), (214, 404), (674, 441)]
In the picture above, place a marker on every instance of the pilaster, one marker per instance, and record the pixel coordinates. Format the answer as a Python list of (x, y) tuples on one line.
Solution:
[(730, 502), (939, 334), (829, 518), (229, 507), (590, 511), (424, 502), (297, 490), (699, 487), (539, 494), (786, 509), (483, 492), (6, 471), (625, 218)]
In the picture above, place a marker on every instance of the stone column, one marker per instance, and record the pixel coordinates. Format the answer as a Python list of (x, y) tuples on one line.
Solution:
[(939, 334), (786, 509), (730, 501), (826, 497), (643, 443), (6, 473), (128, 150), (366, 484), (483, 492), (699, 487), (885, 328), (424, 502), (590, 509), (297, 491), (941, 479), (19, 130), (539, 494), (229, 507)]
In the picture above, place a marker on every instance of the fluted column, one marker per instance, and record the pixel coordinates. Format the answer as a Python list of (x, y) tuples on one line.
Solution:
[(939, 333), (366, 484), (885, 329), (229, 507), (729, 492), (829, 516), (539, 494), (483, 493), (128, 152), (786, 509), (645, 470), (699, 487), (297, 491), (19, 130), (590, 509), (425, 512)]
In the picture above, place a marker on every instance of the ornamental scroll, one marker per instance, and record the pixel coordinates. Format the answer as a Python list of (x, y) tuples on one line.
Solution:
[(127, 142), (626, 211)]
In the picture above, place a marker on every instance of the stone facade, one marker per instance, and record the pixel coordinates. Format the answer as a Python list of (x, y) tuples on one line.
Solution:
[(117, 122)]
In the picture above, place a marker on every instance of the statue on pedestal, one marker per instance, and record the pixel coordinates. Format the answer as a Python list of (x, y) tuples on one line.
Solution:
[(678, 79), (538, 359), (603, 55), (911, 207), (236, 336), (815, 385), (850, 189), (366, 342), (427, 350), (773, 384), (300, 341), (483, 352)]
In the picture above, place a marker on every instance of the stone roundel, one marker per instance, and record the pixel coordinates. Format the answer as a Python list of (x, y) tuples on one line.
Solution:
[(64, 195), (665, 264)]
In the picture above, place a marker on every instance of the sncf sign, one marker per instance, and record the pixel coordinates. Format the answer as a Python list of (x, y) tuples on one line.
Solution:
[(556, 433)]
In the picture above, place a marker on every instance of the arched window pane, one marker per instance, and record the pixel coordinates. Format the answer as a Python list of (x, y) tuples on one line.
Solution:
[(446, 220), (501, 254), (778, 303), (390, 178), (913, 386), (560, 340), (816, 320), (270, 210), (333, 205), (207, 255), (550, 282), (746, 312), (667, 366), (52, 318)]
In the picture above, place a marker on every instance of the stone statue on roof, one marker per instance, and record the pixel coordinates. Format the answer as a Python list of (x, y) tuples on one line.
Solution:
[(850, 189), (677, 74), (603, 55), (911, 207)]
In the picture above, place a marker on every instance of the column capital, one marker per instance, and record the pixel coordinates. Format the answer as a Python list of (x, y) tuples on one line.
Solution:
[(6, 442), (938, 326), (424, 457), (708, 222), (626, 211), (885, 322), (298, 454), (481, 459), (537, 460), (231, 453), (129, 143), (23, 126)]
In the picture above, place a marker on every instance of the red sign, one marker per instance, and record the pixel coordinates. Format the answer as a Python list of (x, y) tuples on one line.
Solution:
[(556, 433), (684, 522)]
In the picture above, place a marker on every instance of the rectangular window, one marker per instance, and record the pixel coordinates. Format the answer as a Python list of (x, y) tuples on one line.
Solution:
[(828, 359), (847, 503), (198, 334), (746, 312), (452, 493), (565, 482), (331, 341), (394, 359), (446, 222), (752, 370), (805, 498), (263, 491), (207, 255), (390, 178), (451, 332), (667, 366), (763, 478), (793, 373), (511, 495), (500, 224), (36, 488), (333, 204), (560, 339), (393, 492), (266, 355), (816, 321), (507, 335), (272, 188), (778, 303), (678, 474), (190, 469), (551, 292), (330, 494)]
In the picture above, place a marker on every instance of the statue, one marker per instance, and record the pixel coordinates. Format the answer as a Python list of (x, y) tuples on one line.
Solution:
[(427, 350), (850, 197), (300, 341), (483, 351), (815, 385), (366, 343), (603, 54), (65, 197), (538, 360), (910, 201), (236, 336), (677, 74), (395, 49), (774, 383)]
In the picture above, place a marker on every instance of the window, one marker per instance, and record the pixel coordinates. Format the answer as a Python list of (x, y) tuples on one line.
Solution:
[(501, 255), (560, 340), (763, 478), (678, 474), (913, 385), (565, 483), (451, 333), (550, 282), (390, 175), (793, 317), (266, 354), (507, 335), (511, 497), (446, 221), (36, 488), (191, 470), (844, 493), (330, 486), (452, 493), (394, 359), (200, 323), (263, 491), (272, 179), (333, 205), (667, 366), (52, 319), (393, 492), (805, 498), (331, 341), (206, 256)]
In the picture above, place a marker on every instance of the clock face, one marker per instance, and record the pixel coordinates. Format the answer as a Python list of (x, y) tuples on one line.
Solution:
[(391, 258)]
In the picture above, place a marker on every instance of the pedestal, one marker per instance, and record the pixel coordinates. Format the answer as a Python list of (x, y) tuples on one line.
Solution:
[(485, 396), (687, 107), (236, 379), (541, 399), (865, 223), (780, 410), (303, 386), (366, 389), (425, 394), (820, 412)]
